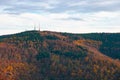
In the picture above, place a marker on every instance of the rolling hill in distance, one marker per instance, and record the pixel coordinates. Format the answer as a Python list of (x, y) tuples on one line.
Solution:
[(46, 55)]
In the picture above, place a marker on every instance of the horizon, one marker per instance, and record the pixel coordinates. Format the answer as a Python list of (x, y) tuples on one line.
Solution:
[(58, 32), (78, 16)]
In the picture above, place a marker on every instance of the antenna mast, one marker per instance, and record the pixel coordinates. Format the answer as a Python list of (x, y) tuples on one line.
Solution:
[(34, 27), (39, 27)]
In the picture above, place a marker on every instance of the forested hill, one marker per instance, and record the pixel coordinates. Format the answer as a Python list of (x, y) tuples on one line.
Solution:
[(110, 42), (45, 55)]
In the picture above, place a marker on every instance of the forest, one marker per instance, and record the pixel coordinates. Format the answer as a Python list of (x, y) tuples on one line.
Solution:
[(46, 55)]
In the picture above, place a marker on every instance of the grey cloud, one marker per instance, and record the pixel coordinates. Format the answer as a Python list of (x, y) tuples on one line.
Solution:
[(59, 6), (21, 7), (5, 2), (88, 6), (72, 18), (111, 5)]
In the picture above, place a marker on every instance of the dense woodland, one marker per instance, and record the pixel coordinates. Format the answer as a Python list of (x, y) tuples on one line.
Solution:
[(35, 55), (110, 42)]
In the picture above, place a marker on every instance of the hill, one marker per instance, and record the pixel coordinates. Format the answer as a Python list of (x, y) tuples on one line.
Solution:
[(34, 55)]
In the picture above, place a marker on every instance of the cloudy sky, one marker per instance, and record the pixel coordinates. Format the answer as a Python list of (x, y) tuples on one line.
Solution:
[(76, 16)]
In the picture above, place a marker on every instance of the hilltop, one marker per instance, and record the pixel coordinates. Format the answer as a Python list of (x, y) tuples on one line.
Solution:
[(45, 55)]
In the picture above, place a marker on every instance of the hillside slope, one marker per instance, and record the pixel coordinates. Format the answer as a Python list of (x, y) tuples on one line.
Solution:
[(110, 42), (34, 55)]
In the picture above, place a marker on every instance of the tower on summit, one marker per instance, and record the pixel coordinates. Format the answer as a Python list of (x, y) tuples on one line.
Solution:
[(39, 27), (34, 27)]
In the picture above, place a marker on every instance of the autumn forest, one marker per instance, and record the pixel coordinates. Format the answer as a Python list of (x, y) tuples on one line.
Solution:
[(45, 55)]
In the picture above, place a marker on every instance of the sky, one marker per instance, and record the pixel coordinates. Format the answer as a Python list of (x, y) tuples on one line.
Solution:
[(73, 16)]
